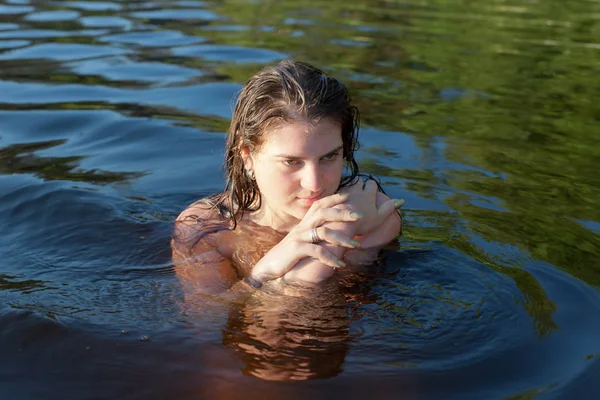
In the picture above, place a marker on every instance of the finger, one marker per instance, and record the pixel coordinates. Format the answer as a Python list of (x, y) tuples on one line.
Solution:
[(329, 201), (371, 186), (388, 207), (333, 215), (326, 257), (336, 238), (355, 187), (313, 236)]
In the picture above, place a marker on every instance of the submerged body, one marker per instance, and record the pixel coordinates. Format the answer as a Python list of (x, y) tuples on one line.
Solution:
[(211, 256)]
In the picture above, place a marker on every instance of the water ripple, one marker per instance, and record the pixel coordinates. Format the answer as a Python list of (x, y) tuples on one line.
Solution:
[(120, 69), (236, 54), (178, 14), (61, 52), (481, 115), (35, 34), (153, 39), (106, 22), (9, 10), (11, 44), (200, 99), (52, 16), (5, 26), (91, 5)]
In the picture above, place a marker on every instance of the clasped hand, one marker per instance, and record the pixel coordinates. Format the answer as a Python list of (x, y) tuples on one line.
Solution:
[(356, 205), (299, 243), (364, 200)]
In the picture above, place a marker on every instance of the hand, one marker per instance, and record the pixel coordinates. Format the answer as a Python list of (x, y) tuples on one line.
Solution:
[(363, 200), (298, 243)]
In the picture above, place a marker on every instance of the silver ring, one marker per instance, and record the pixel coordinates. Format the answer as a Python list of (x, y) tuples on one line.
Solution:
[(314, 236)]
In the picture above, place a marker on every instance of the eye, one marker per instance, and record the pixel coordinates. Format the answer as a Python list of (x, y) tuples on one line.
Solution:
[(291, 163), (331, 157)]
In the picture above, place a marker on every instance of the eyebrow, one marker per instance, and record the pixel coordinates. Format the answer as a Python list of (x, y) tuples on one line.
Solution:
[(289, 157)]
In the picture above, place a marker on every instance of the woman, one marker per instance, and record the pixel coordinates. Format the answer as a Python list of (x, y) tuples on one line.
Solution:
[(287, 211)]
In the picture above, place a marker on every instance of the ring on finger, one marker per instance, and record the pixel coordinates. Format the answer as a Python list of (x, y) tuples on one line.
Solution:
[(314, 236)]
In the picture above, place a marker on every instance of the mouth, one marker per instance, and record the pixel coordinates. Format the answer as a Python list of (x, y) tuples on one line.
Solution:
[(310, 199)]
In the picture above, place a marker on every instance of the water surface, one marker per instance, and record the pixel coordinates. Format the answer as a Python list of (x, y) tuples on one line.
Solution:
[(482, 115)]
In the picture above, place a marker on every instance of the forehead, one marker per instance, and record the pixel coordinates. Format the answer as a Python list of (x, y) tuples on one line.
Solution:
[(302, 138)]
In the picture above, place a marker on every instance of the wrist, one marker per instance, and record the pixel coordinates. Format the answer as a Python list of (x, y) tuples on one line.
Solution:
[(260, 272), (309, 271), (255, 283)]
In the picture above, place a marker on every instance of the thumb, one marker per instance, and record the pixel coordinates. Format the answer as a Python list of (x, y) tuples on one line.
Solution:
[(388, 207)]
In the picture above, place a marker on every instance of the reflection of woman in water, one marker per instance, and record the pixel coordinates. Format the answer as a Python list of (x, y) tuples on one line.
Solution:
[(288, 215), (282, 338)]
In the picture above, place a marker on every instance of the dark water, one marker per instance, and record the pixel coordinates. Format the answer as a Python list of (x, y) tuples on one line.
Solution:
[(484, 116)]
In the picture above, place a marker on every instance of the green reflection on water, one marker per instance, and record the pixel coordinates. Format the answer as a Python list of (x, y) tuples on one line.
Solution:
[(21, 159), (9, 282), (511, 88)]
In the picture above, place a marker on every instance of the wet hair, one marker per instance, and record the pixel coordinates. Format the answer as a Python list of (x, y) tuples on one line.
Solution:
[(288, 92)]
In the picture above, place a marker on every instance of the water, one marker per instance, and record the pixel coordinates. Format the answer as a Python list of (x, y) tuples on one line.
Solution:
[(483, 116)]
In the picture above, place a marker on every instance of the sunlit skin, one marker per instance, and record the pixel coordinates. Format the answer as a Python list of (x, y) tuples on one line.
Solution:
[(296, 165), (298, 168)]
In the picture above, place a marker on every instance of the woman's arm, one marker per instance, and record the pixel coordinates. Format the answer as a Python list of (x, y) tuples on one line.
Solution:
[(297, 250), (310, 270), (371, 243), (208, 272), (380, 221), (385, 232), (202, 242), (198, 259)]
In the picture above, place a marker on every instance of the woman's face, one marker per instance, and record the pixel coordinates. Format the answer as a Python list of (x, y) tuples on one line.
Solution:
[(296, 165)]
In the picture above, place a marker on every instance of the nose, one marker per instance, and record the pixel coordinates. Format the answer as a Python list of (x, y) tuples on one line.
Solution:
[(312, 178)]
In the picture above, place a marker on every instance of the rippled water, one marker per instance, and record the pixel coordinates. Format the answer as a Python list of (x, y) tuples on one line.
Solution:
[(484, 116)]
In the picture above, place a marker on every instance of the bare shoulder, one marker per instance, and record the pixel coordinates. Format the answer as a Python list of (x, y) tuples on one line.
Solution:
[(200, 262), (197, 226), (201, 210)]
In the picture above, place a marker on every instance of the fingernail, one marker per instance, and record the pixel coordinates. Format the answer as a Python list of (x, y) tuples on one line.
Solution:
[(356, 215), (341, 263), (399, 203), (355, 243)]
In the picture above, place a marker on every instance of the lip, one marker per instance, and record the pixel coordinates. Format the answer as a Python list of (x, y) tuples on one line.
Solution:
[(309, 200)]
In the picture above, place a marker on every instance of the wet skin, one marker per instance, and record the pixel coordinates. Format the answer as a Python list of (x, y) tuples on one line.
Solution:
[(298, 169)]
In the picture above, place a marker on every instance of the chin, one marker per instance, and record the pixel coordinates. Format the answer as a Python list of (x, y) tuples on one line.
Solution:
[(299, 213)]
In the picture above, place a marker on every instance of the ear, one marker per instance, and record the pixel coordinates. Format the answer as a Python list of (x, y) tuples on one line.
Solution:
[(247, 158)]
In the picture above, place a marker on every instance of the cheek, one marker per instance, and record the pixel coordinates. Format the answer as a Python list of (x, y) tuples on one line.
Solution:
[(275, 183), (334, 172)]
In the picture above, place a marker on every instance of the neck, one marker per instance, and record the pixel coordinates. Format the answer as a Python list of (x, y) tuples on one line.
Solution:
[(280, 222)]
